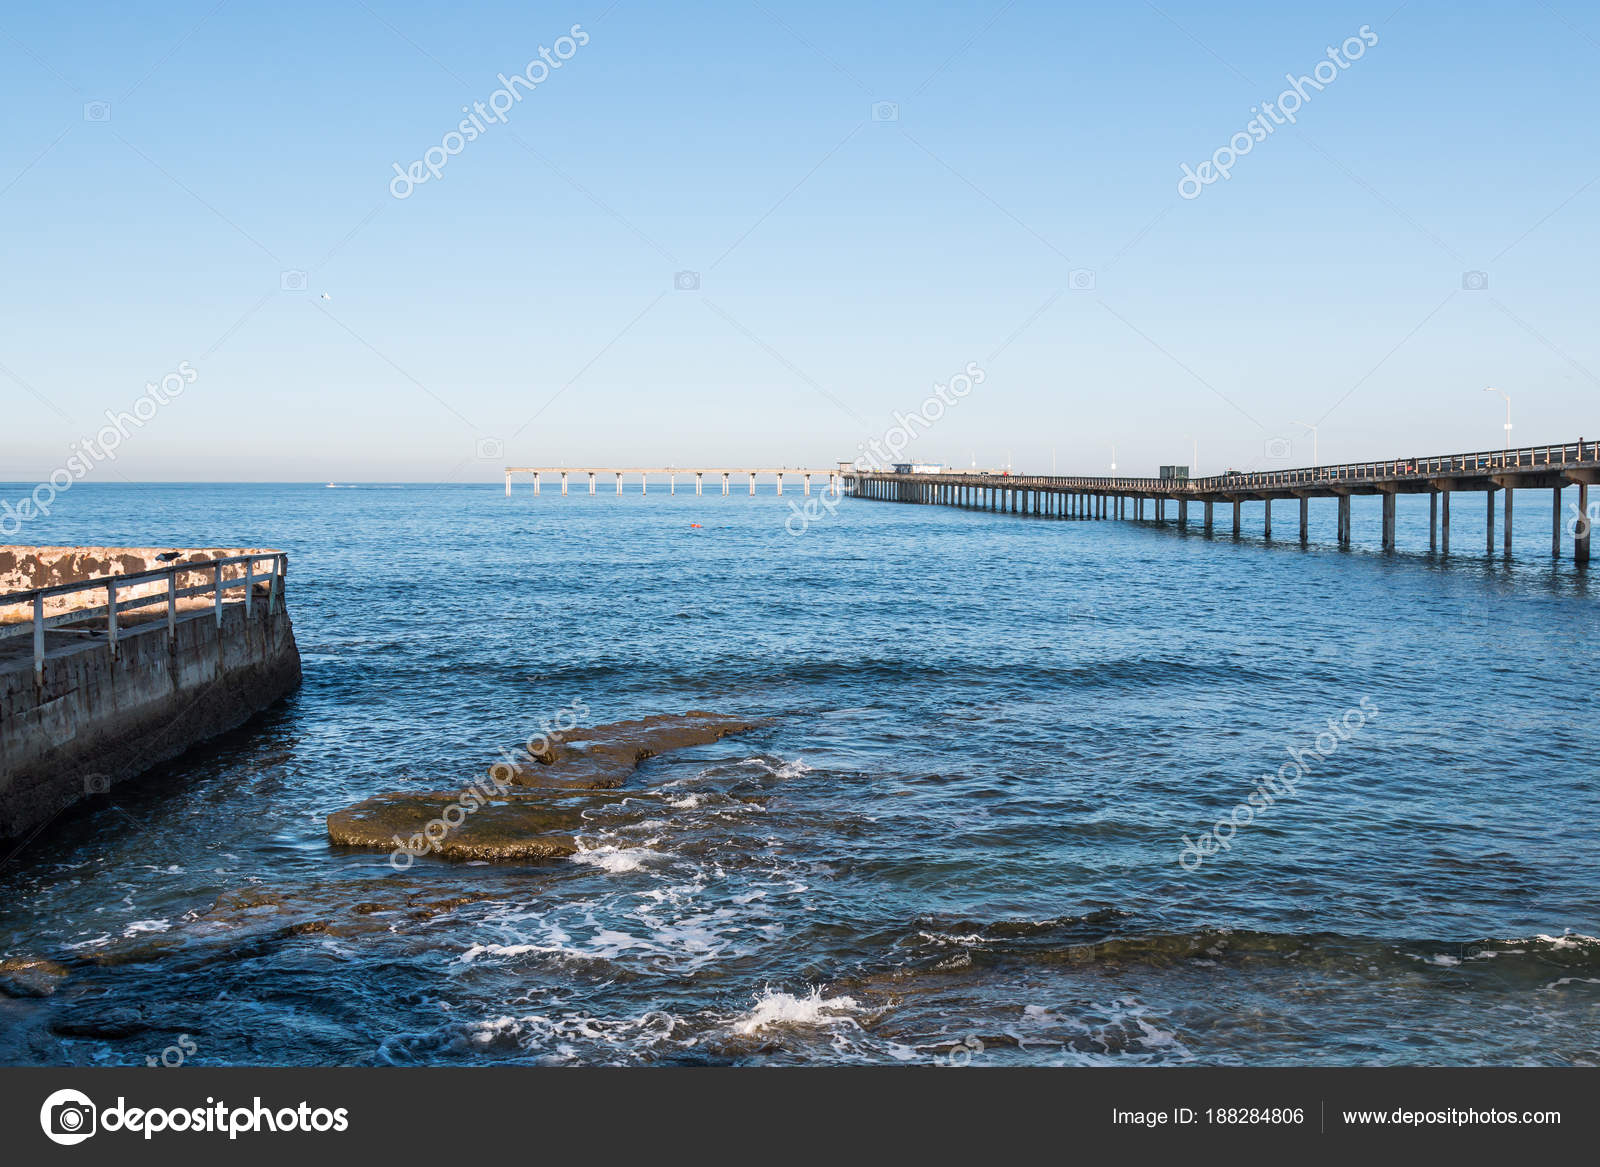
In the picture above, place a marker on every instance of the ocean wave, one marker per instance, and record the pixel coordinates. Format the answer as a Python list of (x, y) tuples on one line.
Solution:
[(776, 1009), (1095, 940), (615, 860)]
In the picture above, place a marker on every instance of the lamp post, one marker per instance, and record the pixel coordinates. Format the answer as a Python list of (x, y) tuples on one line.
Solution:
[(1507, 396), (1313, 430)]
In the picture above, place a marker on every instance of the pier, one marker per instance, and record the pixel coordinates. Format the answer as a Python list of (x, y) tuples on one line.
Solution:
[(1491, 473), (592, 476), (116, 659)]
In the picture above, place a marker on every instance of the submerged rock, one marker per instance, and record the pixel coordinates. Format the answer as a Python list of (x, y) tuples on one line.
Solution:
[(101, 1021), (30, 977), (601, 758)]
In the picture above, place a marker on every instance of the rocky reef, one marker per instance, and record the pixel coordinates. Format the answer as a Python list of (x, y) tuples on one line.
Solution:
[(603, 757), (527, 812)]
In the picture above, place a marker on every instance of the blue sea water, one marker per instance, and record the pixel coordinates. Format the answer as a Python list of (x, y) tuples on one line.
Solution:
[(962, 837)]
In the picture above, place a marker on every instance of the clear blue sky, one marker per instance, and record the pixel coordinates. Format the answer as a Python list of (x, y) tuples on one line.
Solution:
[(846, 263)]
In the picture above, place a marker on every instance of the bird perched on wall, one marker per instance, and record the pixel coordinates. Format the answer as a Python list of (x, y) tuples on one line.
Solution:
[(168, 556)]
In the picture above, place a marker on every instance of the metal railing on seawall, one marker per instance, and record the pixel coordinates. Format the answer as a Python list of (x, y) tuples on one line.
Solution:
[(113, 608)]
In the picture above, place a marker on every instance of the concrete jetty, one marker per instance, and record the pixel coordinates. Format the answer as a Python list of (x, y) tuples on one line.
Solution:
[(116, 659)]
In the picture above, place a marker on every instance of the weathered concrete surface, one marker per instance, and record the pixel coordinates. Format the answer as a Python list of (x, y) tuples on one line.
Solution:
[(92, 720)]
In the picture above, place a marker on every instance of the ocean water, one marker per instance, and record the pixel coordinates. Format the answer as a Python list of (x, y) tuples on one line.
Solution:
[(962, 839)]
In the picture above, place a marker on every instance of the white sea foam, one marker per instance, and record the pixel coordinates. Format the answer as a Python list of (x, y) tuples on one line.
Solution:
[(478, 950), (139, 926), (1568, 939), (616, 860), (779, 1009), (792, 769)]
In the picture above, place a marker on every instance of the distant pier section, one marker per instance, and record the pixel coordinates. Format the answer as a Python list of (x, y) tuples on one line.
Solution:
[(1490, 473), (830, 479), (116, 659)]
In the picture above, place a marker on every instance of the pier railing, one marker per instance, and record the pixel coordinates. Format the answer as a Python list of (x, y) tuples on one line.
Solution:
[(1579, 453), (132, 584)]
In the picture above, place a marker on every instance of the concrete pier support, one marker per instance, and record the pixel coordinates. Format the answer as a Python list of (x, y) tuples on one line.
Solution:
[(1509, 493), (1433, 520), (1555, 523), (1235, 518), (1388, 521), (1580, 545), (752, 484), (1489, 532), (1183, 514), (1208, 516), (1305, 521), (1267, 529), (508, 485), (563, 485), (1444, 522), (619, 484), (1344, 520)]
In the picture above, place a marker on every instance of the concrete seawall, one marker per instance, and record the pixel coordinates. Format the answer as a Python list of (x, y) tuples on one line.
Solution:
[(92, 702)]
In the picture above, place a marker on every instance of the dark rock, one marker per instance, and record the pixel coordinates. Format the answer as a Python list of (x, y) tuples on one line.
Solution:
[(116, 1022)]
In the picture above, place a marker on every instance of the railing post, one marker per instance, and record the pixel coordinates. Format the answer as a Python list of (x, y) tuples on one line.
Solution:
[(249, 585), (111, 617), (38, 638), (216, 590), (172, 608)]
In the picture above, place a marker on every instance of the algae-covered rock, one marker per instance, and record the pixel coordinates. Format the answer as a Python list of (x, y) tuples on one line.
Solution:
[(30, 977), (602, 757), (500, 819), (460, 826)]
